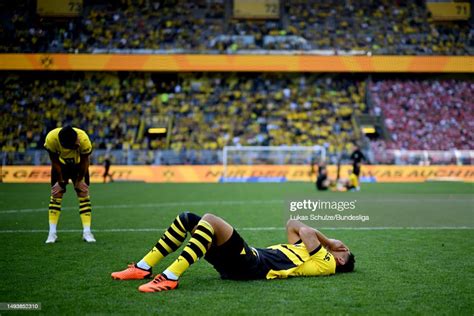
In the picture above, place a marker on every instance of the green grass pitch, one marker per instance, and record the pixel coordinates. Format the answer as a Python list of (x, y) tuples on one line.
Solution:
[(398, 271)]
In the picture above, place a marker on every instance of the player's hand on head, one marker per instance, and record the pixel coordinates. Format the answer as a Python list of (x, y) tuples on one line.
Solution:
[(82, 189), (57, 190), (337, 245)]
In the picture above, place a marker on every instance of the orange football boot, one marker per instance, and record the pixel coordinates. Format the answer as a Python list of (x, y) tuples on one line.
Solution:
[(132, 273), (160, 283)]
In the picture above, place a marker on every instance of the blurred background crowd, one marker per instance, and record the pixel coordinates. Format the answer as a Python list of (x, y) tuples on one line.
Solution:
[(426, 114), (211, 110), (379, 27)]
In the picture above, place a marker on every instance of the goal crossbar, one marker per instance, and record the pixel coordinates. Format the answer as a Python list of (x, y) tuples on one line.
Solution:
[(320, 151)]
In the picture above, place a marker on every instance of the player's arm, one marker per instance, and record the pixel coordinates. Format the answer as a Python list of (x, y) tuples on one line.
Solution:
[(80, 186), (85, 150), (311, 237), (59, 187), (297, 231)]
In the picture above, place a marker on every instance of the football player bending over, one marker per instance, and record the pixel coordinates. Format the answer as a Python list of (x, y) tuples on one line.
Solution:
[(69, 149), (307, 253)]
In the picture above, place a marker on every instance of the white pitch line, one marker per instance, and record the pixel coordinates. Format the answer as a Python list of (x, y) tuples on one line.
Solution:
[(133, 230), (198, 203), (150, 205)]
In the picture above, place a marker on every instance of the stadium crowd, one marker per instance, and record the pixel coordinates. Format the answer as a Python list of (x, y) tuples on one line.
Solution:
[(31, 107), (114, 25), (209, 110), (381, 27), (425, 114)]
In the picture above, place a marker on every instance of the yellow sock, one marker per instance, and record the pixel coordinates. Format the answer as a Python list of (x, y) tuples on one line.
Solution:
[(85, 212), (195, 249), (54, 212), (169, 242)]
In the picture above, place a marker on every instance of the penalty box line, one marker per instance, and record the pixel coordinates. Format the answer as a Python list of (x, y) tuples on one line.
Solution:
[(139, 230)]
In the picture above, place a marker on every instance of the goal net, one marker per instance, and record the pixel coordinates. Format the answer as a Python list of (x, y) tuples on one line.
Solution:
[(270, 155)]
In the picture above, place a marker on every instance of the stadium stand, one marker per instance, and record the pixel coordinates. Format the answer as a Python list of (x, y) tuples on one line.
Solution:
[(378, 27), (425, 114), (381, 27), (210, 110), (159, 25)]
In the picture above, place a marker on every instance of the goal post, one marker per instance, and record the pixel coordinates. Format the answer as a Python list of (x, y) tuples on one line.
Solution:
[(271, 155)]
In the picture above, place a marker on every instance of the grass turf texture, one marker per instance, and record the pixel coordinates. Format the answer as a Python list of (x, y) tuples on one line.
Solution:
[(398, 271)]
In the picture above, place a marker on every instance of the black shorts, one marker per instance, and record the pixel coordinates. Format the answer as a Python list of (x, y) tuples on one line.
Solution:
[(235, 260), (68, 172)]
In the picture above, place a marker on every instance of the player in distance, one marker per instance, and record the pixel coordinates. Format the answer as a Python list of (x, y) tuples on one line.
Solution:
[(69, 149), (324, 182), (307, 252)]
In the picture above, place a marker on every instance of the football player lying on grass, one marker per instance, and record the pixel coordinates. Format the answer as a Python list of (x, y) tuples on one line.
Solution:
[(307, 253)]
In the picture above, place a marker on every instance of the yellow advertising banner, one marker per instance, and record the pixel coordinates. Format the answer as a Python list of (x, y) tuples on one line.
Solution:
[(256, 9), (449, 10), (59, 8), (256, 173), (266, 63)]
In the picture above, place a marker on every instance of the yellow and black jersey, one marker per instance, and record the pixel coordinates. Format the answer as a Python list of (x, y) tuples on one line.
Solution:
[(68, 156), (236, 260), (288, 260)]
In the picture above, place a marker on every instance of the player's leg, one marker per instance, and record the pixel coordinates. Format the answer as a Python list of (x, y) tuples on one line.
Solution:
[(54, 209), (169, 242), (211, 230), (356, 168), (235, 260), (108, 174), (85, 207)]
